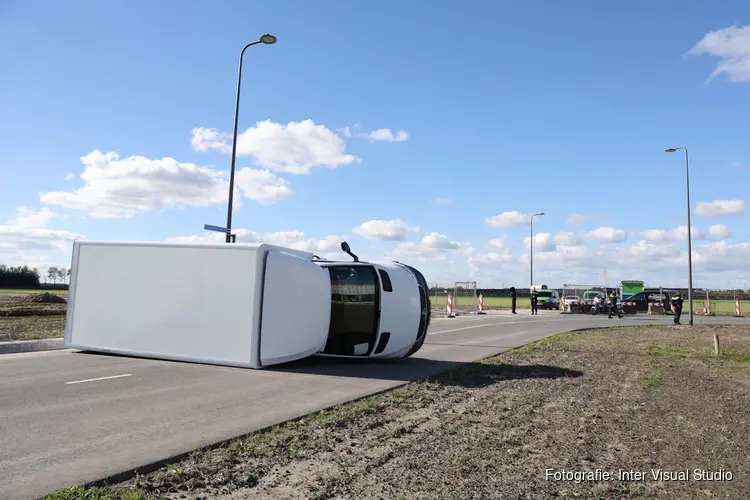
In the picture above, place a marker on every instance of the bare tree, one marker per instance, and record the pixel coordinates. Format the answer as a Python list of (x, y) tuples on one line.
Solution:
[(52, 274), (62, 273)]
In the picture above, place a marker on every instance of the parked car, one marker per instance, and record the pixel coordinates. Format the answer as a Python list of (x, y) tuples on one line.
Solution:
[(572, 300)]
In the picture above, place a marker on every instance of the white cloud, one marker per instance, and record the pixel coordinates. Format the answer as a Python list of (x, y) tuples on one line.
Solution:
[(719, 208), (295, 148), (681, 233), (543, 242), (262, 186), (482, 264), (25, 240), (508, 219), (567, 239), (381, 134), (439, 242), (386, 134), (385, 230), (663, 262), (500, 242), (210, 139), (720, 232), (30, 219), (659, 264), (606, 234), (578, 219), (116, 187), (732, 46), (69, 176), (442, 201), (677, 234), (290, 239), (410, 251)]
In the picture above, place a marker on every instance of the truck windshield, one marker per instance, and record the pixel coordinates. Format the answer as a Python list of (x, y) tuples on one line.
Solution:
[(355, 296)]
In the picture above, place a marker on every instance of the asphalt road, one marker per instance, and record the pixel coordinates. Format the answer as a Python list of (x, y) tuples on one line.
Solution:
[(68, 417)]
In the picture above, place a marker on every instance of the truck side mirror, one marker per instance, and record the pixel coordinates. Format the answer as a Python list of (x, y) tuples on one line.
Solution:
[(346, 249)]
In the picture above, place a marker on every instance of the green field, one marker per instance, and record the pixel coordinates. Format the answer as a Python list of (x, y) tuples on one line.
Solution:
[(19, 291), (719, 307)]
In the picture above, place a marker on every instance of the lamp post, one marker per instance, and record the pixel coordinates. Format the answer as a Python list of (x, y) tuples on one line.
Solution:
[(268, 40), (690, 243), (531, 251)]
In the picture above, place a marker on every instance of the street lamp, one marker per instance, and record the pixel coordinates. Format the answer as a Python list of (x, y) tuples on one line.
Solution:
[(690, 243), (531, 250), (268, 40)]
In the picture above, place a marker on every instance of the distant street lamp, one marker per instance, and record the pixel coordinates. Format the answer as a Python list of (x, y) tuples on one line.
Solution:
[(531, 250), (690, 243), (268, 40)]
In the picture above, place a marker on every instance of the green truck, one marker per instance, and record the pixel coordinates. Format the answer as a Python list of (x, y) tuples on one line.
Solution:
[(629, 288), (546, 298)]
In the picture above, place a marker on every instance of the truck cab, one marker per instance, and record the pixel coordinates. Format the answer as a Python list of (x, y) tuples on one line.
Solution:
[(378, 309)]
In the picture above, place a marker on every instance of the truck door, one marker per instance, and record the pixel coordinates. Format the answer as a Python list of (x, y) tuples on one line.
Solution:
[(296, 308)]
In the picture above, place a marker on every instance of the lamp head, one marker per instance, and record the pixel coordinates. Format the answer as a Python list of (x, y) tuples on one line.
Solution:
[(672, 150), (268, 39)]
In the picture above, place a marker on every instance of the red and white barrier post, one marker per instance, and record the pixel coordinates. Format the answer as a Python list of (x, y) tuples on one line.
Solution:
[(480, 305), (449, 306), (737, 309)]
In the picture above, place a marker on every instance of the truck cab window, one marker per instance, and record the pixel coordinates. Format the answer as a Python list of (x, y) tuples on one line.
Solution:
[(387, 285), (355, 296)]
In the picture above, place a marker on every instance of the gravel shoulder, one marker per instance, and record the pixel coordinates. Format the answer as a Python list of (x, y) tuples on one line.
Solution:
[(620, 399)]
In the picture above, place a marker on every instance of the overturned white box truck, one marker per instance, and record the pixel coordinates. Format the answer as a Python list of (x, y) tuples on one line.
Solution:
[(244, 305)]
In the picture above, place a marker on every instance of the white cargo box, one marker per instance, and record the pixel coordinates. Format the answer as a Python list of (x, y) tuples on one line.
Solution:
[(245, 305)]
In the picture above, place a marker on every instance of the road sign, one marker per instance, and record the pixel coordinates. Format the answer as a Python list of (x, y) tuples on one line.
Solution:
[(218, 229)]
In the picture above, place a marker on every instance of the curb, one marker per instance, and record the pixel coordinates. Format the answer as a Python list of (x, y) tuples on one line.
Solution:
[(18, 346)]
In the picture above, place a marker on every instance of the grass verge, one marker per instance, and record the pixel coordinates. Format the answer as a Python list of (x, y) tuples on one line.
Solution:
[(616, 399)]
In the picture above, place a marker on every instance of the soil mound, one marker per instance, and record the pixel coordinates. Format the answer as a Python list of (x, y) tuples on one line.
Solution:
[(42, 298)]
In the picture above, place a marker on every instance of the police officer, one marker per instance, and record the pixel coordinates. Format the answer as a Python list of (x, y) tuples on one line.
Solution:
[(513, 299), (613, 305), (677, 304), (534, 302)]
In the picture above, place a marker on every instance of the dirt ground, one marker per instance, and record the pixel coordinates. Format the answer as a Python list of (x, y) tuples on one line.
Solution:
[(625, 399), (32, 316)]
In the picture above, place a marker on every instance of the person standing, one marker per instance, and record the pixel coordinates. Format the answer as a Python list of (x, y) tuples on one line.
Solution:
[(613, 305), (534, 302), (513, 299), (677, 304)]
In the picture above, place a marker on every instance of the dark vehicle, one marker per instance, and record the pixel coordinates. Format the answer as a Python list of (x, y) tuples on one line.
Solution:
[(640, 301)]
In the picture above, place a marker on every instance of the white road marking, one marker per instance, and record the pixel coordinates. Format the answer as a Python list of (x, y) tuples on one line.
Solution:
[(484, 318), (100, 378), (493, 324)]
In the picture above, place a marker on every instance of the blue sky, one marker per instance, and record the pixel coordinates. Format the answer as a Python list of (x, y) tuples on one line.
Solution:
[(562, 108)]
